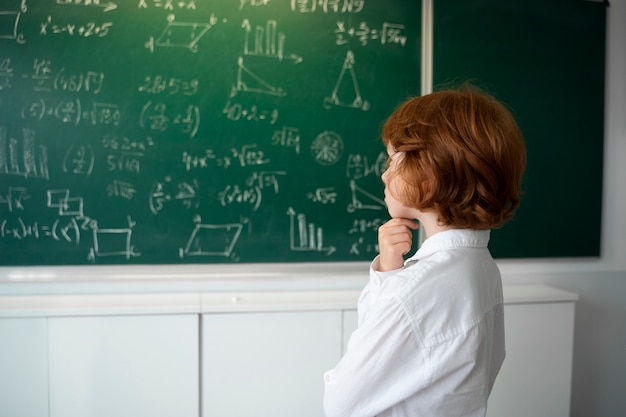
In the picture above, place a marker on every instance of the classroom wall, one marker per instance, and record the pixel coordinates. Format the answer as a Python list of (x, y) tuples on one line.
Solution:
[(599, 369)]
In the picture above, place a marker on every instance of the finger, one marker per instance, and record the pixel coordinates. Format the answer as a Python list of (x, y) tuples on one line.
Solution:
[(397, 221)]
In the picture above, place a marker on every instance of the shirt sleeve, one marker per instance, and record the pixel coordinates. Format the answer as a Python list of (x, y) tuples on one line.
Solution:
[(382, 366)]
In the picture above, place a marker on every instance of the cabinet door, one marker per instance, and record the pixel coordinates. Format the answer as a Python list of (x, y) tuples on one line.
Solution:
[(535, 379), (267, 364), (124, 366), (23, 367)]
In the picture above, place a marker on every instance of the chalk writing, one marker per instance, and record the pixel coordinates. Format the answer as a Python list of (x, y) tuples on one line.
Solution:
[(74, 83), (128, 153), (252, 192), (366, 225), (125, 144), (236, 112), (15, 198), (179, 131), (158, 117), (390, 33), (72, 112), (202, 161), (84, 30), (168, 4), (60, 230), (361, 246), (327, 6), (359, 166), (288, 137), (167, 191), (158, 84), (106, 6), (122, 189), (249, 155), (79, 159), (6, 74), (253, 3), (326, 195)]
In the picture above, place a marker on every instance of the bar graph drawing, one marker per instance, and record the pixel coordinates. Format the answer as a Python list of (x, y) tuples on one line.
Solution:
[(305, 236), (267, 42), (21, 156), (261, 42)]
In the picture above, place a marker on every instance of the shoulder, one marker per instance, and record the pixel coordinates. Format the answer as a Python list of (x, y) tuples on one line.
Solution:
[(446, 293)]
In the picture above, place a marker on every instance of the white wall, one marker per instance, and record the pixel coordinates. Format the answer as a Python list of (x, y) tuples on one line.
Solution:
[(599, 369)]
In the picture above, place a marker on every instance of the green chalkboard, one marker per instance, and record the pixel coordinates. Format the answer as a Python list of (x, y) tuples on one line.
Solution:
[(149, 132), (545, 60)]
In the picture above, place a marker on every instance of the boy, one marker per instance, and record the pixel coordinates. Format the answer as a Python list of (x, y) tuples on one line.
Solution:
[(430, 339)]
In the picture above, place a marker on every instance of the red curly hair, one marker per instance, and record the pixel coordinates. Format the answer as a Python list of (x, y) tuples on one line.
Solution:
[(464, 157)]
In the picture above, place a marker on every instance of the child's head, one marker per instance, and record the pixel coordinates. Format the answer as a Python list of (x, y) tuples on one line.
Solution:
[(464, 157)]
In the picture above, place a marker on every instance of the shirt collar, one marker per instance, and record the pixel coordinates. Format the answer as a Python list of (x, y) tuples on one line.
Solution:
[(454, 238)]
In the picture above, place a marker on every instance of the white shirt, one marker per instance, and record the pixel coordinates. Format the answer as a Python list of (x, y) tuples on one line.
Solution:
[(430, 339)]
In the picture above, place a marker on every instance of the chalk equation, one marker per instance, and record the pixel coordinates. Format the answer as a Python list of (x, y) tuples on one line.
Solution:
[(105, 5), (388, 34), (46, 78), (72, 112), (171, 86), (159, 117), (328, 6), (80, 29), (169, 5)]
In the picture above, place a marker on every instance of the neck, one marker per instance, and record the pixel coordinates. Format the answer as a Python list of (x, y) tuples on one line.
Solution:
[(430, 224)]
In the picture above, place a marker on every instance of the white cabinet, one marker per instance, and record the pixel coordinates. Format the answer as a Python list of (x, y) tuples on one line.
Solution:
[(258, 354), (267, 364), (124, 366), (535, 379), (23, 367)]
